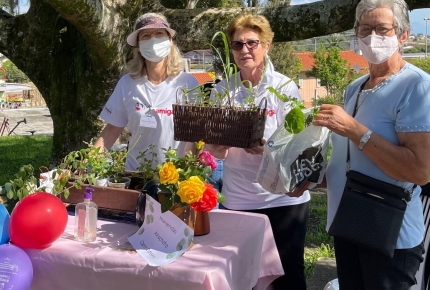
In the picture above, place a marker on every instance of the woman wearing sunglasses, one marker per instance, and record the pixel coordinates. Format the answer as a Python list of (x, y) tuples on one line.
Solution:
[(250, 37), (143, 98)]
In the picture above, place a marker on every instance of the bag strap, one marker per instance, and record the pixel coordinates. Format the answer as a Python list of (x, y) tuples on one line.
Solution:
[(353, 115)]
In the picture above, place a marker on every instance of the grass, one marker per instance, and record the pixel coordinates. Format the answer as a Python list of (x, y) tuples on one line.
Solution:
[(318, 243), (36, 150), (20, 150), (16, 151)]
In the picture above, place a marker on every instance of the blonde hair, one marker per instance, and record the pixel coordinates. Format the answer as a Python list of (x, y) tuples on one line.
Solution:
[(257, 23), (137, 66)]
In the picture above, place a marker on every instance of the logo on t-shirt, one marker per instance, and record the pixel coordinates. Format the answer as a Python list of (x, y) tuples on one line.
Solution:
[(108, 110), (139, 106), (270, 113), (166, 111)]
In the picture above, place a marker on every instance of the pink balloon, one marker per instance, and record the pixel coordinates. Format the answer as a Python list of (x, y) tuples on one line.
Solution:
[(16, 270), (37, 221)]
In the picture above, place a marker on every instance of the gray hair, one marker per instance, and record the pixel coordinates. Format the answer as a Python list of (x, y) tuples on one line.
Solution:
[(399, 7)]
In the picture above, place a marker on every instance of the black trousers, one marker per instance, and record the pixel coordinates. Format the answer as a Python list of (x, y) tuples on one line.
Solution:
[(362, 269), (289, 230)]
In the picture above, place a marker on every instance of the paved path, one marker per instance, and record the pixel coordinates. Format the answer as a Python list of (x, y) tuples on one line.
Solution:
[(38, 119)]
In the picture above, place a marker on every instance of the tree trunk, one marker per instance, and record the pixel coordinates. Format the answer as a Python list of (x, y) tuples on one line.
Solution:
[(75, 51)]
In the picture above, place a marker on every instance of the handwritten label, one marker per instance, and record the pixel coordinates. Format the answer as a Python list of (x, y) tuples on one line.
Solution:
[(163, 237), (148, 121)]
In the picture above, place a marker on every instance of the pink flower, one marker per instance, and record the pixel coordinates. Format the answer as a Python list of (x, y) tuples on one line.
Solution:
[(208, 159)]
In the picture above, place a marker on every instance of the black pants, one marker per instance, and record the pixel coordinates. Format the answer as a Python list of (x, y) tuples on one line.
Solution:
[(289, 230), (362, 269)]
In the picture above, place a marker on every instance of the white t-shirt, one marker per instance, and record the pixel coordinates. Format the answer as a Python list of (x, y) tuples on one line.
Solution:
[(240, 185), (146, 110)]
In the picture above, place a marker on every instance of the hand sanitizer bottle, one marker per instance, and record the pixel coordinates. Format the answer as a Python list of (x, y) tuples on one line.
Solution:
[(86, 218)]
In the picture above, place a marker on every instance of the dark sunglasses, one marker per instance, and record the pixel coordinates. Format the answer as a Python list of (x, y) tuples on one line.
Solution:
[(238, 45)]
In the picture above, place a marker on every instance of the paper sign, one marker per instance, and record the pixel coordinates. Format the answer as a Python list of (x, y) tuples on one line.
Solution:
[(148, 120), (163, 237)]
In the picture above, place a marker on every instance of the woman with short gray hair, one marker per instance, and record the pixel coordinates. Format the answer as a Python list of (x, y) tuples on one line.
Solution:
[(382, 135)]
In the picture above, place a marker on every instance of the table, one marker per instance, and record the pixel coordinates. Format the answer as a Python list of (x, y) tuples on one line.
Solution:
[(239, 253)]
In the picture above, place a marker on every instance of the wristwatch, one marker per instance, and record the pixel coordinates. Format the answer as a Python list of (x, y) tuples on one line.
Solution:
[(364, 139)]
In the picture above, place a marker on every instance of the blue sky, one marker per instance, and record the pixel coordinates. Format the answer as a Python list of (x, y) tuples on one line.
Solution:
[(416, 16)]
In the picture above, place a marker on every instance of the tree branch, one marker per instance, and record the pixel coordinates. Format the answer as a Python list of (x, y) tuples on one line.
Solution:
[(195, 27)]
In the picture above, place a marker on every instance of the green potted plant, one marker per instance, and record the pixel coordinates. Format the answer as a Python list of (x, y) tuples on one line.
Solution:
[(145, 171), (116, 169)]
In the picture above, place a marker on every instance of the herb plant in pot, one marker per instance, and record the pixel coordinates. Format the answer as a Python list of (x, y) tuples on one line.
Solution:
[(116, 170)]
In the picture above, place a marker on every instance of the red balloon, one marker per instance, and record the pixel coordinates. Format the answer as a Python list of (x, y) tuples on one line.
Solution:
[(37, 221)]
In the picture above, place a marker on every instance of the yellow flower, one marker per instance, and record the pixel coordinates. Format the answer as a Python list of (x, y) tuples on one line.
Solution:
[(168, 173), (191, 190), (199, 145)]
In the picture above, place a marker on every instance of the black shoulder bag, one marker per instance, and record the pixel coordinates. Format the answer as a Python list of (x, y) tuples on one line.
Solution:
[(370, 212)]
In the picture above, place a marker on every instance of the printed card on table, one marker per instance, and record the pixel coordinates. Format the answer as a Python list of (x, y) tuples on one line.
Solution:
[(163, 237)]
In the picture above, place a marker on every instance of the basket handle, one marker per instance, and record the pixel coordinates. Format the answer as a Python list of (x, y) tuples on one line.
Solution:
[(43, 169), (178, 94), (265, 103)]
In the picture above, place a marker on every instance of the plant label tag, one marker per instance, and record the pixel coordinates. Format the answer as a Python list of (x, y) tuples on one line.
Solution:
[(148, 121)]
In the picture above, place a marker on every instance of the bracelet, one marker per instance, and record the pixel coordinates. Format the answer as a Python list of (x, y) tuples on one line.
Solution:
[(364, 139)]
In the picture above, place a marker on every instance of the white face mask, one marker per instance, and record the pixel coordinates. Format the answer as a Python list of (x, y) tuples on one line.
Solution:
[(155, 49), (377, 49)]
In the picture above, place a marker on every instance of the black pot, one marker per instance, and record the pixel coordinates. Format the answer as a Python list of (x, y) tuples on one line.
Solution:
[(151, 188), (135, 181)]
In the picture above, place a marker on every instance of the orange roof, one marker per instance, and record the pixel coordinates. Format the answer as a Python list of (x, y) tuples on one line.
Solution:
[(352, 58), (202, 77)]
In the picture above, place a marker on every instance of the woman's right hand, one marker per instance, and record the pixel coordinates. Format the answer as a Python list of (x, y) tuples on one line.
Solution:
[(217, 151)]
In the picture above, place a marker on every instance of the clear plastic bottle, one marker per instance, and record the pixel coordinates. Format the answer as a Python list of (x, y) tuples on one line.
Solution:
[(86, 218)]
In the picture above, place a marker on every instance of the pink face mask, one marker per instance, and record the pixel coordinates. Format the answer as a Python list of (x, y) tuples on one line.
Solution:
[(377, 49)]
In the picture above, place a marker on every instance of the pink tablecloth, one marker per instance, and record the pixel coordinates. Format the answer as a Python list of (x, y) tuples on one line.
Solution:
[(239, 253)]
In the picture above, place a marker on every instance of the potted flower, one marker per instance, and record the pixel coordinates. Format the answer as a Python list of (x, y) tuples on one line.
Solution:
[(183, 186)]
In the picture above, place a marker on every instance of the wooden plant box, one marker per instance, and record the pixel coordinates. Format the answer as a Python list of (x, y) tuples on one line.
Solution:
[(106, 197)]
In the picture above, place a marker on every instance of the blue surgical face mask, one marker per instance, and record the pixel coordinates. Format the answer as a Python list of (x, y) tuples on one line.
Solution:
[(155, 49)]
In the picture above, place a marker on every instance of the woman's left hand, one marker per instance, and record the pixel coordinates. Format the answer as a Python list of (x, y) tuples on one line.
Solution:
[(256, 150)]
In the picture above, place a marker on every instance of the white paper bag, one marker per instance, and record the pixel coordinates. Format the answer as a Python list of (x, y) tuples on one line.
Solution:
[(290, 159)]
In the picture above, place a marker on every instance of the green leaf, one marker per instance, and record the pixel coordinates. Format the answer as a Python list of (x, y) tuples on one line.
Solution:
[(167, 203)]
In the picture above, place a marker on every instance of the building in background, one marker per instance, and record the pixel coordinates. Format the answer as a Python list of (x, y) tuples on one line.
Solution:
[(311, 87)]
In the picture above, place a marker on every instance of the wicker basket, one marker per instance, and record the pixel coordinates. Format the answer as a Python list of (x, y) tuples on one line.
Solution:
[(222, 126)]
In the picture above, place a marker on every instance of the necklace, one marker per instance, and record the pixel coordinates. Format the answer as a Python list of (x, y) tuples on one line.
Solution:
[(367, 92), (380, 84)]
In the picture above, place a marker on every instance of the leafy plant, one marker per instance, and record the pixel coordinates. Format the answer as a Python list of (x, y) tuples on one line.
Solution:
[(23, 184), (146, 160), (225, 98), (117, 164), (295, 120), (85, 166)]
